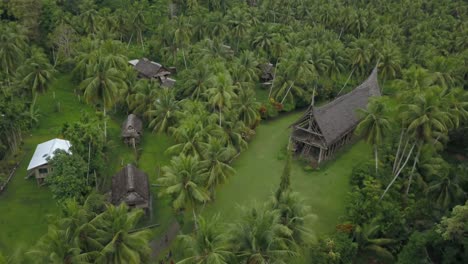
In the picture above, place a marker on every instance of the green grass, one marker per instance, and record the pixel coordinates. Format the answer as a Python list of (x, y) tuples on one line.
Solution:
[(24, 206), (259, 170)]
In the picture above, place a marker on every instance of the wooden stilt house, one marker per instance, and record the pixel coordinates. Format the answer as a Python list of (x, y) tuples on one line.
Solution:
[(323, 130)]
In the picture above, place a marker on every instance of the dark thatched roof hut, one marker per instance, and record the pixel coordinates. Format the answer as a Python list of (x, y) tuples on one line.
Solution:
[(321, 131), (130, 185), (150, 69), (167, 82), (267, 70), (132, 129)]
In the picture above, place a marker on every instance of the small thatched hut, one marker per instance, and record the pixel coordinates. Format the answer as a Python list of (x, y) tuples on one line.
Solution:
[(267, 70), (149, 69), (131, 186), (132, 130), (321, 131)]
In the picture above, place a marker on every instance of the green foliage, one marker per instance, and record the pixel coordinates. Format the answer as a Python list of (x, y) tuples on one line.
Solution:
[(338, 248), (68, 177)]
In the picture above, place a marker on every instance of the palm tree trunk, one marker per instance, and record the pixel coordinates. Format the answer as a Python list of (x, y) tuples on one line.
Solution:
[(219, 117), (401, 157), (416, 160), (398, 151), (185, 61), (287, 92), (130, 40), (396, 176), (376, 159), (349, 77), (89, 160), (105, 125), (273, 81), (195, 220)]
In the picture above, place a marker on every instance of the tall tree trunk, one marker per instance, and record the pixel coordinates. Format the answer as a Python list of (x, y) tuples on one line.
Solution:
[(396, 176), (376, 159), (416, 160), (185, 61), (287, 92), (398, 150), (220, 117), (130, 40), (349, 77), (89, 160), (105, 124), (195, 220), (273, 81), (402, 156)]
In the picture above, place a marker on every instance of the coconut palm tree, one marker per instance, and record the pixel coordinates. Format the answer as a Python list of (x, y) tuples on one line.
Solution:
[(115, 231), (216, 159), (368, 244), (259, 237), (374, 126), (189, 137), (145, 94), (446, 191), (36, 73), (162, 112), (183, 180), (247, 107), (12, 47), (207, 245), (195, 82), (221, 94), (426, 118), (102, 87)]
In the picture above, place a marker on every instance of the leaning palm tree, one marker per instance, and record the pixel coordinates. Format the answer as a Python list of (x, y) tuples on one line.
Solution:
[(207, 245), (115, 231), (183, 181), (103, 86), (374, 126), (259, 237), (216, 158), (145, 94)]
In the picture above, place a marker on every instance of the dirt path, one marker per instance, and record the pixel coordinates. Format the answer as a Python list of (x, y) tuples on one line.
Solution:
[(159, 246)]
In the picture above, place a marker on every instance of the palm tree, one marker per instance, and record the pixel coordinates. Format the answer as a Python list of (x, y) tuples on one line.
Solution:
[(247, 107), (195, 81), (374, 126), (145, 94), (162, 112), (183, 182), (221, 94), (389, 62), (115, 231), (103, 86), (189, 137), (207, 245), (365, 235), (36, 73), (245, 69), (259, 237), (12, 47), (426, 118), (446, 191), (216, 159)]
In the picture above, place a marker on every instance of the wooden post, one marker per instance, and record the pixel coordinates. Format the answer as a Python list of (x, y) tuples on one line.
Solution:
[(320, 155)]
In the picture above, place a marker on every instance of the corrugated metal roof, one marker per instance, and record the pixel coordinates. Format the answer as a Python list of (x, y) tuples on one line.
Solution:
[(46, 150)]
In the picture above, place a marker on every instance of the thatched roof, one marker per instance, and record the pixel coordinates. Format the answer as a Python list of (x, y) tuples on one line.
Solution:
[(130, 185), (132, 127), (267, 70), (340, 115), (147, 68), (167, 82)]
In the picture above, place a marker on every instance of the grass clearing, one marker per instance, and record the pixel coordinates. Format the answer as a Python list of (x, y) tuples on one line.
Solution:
[(24, 206), (259, 169)]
